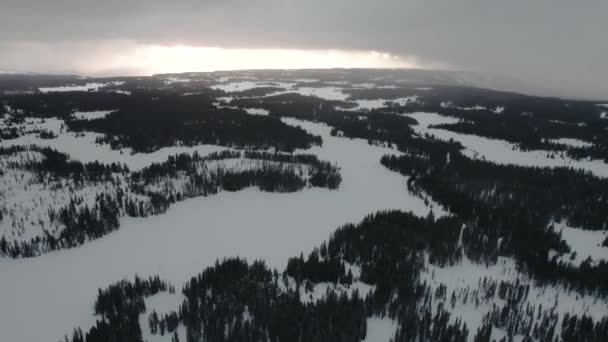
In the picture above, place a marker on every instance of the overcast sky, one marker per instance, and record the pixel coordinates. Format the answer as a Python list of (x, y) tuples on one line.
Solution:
[(555, 43)]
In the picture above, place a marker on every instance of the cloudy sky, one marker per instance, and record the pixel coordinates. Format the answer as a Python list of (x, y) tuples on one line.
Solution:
[(556, 44)]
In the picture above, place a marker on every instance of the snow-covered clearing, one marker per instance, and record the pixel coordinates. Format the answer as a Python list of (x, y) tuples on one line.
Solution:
[(571, 142), (87, 87), (327, 93), (256, 111), (246, 85), (500, 151), (171, 80), (380, 329), (368, 105), (82, 146), (192, 234), (470, 282), (98, 114), (583, 244)]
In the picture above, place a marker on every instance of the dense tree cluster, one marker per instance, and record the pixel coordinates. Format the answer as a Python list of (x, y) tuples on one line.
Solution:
[(168, 120), (119, 307), (507, 209), (199, 176)]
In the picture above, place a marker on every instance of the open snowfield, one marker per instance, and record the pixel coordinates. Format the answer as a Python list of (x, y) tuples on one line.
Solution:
[(55, 292), (584, 244), (94, 86), (82, 146), (500, 151)]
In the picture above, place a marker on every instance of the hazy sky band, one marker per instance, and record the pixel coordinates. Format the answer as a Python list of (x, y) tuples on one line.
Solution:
[(545, 41)]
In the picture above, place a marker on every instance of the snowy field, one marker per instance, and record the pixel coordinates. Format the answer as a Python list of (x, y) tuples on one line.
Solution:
[(500, 151), (99, 114), (584, 244), (192, 234), (82, 146), (92, 86)]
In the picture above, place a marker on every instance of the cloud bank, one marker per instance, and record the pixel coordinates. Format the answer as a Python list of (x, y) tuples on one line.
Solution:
[(555, 43)]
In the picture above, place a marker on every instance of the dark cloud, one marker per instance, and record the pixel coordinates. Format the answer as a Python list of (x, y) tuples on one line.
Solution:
[(553, 42)]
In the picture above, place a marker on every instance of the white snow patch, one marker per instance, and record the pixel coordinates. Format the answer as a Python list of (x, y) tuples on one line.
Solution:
[(246, 85), (99, 114), (584, 244), (368, 105), (256, 111), (306, 80), (171, 80), (571, 142), (327, 93), (87, 87), (380, 329)]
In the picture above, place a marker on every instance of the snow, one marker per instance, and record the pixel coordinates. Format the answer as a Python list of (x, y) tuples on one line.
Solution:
[(163, 303), (367, 105), (171, 80), (603, 105), (604, 115), (327, 93), (476, 107), (499, 110), (380, 329), (500, 151), (583, 244), (424, 88), (256, 111), (465, 280), (194, 233), (89, 86), (306, 80), (82, 146), (571, 142), (99, 114), (246, 85)]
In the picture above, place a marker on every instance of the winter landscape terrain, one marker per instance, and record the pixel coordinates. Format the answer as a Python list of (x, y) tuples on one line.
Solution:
[(311, 205)]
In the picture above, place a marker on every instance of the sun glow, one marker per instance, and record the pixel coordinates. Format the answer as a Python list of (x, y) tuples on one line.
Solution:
[(151, 59)]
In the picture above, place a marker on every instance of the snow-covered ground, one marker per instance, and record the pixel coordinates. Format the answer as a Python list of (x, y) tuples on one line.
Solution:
[(367, 105), (246, 85), (571, 142), (82, 146), (256, 111), (98, 114), (583, 244), (500, 151), (469, 282), (327, 93), (380, 329), (192, 234), (89, 86)]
